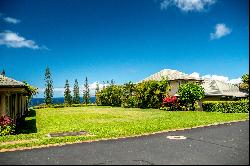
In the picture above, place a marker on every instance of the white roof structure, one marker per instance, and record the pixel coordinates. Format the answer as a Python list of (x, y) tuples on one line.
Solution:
[(220, 88), (171, 75)]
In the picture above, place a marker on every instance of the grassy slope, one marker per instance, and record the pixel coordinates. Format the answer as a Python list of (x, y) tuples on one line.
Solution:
[(106, 122)]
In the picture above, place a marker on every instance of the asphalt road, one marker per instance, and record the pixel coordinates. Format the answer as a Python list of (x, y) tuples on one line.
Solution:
[(223, 144)]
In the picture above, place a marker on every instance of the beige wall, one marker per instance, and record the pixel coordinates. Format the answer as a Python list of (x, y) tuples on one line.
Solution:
[(175, 85), (2, 104)]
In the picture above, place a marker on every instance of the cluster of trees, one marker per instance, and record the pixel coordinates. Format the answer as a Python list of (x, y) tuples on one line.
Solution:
[(68, 98), (147, 94)]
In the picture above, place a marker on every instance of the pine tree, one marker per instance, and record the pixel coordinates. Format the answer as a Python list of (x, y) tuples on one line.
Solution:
[(97, 90), (3, 73), (86, 95), (67, 95), (103, 85), (76, 97), (48, 92), (112, 82)]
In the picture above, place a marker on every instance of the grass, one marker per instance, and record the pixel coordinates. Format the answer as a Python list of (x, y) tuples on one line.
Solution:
[(105, 122)]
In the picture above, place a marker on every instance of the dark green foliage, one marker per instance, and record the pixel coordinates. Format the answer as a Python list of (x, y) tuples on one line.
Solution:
[(189, 93), (129, 100), (226, 106), (150, 94), (48, 92), (41, 106), (147, 94), (245, 82), (86, 92), (31, 90), (76, 96), (67, 94), (110, 95)]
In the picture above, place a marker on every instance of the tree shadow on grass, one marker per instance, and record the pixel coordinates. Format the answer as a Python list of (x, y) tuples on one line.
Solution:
[(27, 124)]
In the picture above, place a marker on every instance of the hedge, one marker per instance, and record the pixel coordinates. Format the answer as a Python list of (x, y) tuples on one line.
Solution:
[(226, 106)]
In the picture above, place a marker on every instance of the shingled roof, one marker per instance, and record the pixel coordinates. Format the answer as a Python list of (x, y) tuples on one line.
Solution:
[(220, 88), (171, 75), (9, 82)]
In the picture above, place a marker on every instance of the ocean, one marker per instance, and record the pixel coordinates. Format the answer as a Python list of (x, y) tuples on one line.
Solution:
[(56, 100)]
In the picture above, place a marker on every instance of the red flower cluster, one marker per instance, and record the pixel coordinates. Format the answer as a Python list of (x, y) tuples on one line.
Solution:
[(168, 100), (5, 120), (170, 103)]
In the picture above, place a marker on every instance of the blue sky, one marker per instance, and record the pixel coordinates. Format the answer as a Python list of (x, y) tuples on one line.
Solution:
[(124, 40)]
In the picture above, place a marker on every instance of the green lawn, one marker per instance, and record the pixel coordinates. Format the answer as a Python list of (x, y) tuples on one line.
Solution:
[(105, 122)]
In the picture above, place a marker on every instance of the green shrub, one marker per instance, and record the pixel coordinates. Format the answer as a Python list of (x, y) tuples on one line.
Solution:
[(59, 106), (110, 96), (146, 94), (226, 106), (189, 93)]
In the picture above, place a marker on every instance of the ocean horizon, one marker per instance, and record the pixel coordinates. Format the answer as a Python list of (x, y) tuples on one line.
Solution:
[(56, 100)]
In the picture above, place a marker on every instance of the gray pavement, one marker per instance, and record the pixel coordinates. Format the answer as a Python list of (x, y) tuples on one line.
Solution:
[(222, 144)]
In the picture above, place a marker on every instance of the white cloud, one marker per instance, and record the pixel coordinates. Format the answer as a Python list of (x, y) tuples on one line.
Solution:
[(223, 79), (12, 39), (217, 77), (11, 20), (220, 31), (235, 81), (187, 5)]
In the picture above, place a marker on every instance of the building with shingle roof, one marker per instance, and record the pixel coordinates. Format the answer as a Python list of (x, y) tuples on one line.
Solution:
[(13, 98), (9, 82), (171, 75), (175, 77), (214, 89)]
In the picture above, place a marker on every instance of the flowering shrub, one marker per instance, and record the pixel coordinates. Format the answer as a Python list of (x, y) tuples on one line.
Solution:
[(170, 103), (6, 126)]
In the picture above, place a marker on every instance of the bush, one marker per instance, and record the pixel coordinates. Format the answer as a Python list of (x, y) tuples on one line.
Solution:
[(226, 106), (6, 126), (151, 93), (110, 96), (59, 106), (147, 94), (189, 93), (128, 98)]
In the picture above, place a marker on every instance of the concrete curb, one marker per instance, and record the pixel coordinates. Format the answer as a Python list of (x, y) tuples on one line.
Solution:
[(108, 139)]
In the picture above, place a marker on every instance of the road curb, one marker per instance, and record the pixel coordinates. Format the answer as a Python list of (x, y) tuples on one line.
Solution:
[(118, 138)]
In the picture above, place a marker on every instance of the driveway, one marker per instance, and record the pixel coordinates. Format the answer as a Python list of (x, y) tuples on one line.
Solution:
[(222, 144)]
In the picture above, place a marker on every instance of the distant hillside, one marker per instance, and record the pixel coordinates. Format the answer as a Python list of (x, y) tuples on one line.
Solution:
[(57, 100)]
